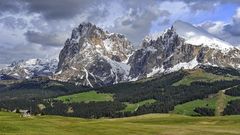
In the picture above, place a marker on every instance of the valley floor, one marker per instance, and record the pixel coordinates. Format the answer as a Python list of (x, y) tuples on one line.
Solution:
[(151, 124)]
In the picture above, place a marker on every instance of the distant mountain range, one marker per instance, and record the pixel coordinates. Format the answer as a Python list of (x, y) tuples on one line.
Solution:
[(95, 57), (27, 69)]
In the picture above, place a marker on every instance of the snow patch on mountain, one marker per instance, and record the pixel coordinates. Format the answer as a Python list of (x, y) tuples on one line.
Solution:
[(25, 69), (151, 49), (32, 62), (198, 36), (153, 36), (155, 71), (184, 65), (88, 82), (122, 68)]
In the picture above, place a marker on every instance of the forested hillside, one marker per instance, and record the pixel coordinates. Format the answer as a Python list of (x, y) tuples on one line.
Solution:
[(153, 95)]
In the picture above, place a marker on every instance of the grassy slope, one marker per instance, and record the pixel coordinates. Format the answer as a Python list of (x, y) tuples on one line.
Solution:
[(134, 107), (200, 75), (217, 102), (86, 97), (220, 103), (151, 124)]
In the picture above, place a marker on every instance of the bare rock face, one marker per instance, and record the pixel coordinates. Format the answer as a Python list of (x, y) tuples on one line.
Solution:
[(94, 57), (173, 51)]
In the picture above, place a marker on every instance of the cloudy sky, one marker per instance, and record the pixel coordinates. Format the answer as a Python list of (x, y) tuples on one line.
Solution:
[(39, 28)]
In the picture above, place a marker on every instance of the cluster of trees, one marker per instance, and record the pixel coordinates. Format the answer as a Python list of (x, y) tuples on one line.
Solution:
[(203, 111), (142, 90), (233, 108), (85, 110), (235, 91), (40, 88), (23, 104), (221, 71)]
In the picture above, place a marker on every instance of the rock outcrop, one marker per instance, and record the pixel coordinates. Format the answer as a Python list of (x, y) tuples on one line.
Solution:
[(94, 57), (183, 46)]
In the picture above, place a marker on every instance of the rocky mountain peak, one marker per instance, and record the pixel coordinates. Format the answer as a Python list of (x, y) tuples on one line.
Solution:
[(93, 56), (90, 37), (85, 29), (181, 46)]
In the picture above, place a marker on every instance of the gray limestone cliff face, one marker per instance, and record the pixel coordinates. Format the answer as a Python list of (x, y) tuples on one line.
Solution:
[(94, 57), (169, 52)]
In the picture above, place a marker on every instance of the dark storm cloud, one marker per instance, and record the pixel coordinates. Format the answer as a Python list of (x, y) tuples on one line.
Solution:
[(44, 39), (60, 9), (137, 22), (137, 25)]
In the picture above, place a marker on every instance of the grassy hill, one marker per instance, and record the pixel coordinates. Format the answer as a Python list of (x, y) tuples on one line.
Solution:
[(217, 102), (133, 107), (86, 97), (151, 124), (201, 75), (36, 88)]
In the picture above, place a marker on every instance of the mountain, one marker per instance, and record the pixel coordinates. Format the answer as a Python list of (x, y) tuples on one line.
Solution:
[(94, 57), (181, 46), (26, 69)]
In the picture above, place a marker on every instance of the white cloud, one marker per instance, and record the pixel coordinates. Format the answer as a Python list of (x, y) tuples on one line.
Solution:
[(236, 17), (229, 32), (215, 28)]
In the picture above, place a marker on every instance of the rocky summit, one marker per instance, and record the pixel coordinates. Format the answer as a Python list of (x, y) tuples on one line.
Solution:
[(182, 46), (94, 57)]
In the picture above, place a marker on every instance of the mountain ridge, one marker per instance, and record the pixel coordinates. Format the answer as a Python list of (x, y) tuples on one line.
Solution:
[(95, 57), (171, 52), (26, 69)]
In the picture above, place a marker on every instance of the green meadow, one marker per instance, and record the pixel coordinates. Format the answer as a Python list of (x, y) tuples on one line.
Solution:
[(133, 107), (200, 75), (151, 124), (86, 97), (217, 102)]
